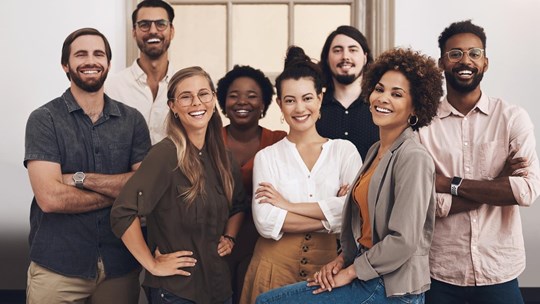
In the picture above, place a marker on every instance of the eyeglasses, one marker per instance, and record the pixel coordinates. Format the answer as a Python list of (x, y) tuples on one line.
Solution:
[(456, 55), (145, 25), (186, 99)]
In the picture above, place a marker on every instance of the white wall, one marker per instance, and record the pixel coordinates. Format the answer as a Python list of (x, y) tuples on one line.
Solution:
[(513, 43), (34, 30), (31, 43)]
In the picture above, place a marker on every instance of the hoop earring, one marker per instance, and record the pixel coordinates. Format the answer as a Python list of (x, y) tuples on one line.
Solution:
[(319, 114), (282, 119), (262, 114), (409, 120), (175, 115)]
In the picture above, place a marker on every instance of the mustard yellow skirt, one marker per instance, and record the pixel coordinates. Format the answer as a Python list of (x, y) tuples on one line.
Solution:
[(294, 258)]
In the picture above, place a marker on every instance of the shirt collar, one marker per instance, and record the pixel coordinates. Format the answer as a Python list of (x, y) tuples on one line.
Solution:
[(140, 75), (445, 108), (110, 108)]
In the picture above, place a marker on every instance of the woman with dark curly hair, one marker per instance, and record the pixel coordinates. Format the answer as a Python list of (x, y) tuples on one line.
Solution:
[(244, 95), (389, 215)]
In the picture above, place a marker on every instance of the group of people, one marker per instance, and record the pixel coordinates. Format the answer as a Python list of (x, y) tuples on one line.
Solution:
[(381, 191)]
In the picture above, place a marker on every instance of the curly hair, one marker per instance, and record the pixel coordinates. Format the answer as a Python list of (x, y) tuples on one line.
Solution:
[(424, 77), (267, 89), (297, 65), (461, 27)]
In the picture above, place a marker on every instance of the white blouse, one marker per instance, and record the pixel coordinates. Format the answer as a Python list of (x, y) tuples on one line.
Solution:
[(281, 165)]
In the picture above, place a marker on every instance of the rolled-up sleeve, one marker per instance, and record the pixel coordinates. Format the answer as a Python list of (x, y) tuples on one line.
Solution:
[(522, 140), (332, 207), (142, 191), (444, 203), (268, 219)]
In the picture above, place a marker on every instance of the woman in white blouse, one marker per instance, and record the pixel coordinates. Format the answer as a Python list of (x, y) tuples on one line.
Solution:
[(299, 186)]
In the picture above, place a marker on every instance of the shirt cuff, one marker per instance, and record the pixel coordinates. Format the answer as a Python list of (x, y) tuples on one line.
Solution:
[(521, 190), (444, 202)]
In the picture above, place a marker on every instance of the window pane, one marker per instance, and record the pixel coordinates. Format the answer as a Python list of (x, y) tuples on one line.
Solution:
[(313, 23), (260, 36), (200, 38)]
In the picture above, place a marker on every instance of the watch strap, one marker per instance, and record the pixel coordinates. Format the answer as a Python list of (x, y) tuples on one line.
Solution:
[(454, 186)]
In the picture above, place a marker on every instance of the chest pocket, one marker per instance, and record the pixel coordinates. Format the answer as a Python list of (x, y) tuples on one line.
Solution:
[(492, 158)]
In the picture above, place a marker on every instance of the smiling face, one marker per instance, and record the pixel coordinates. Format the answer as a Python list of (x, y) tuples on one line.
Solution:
[(153, 43), (300, 104), (391, 101), (243, 103), (194, 116), (346, 59), (465, 75), (88, 65)]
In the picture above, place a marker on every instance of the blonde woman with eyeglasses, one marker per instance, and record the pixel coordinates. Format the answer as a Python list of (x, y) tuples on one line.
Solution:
[(192, 197)]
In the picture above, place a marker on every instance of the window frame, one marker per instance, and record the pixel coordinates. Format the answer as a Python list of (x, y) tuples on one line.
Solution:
[(374, 18)]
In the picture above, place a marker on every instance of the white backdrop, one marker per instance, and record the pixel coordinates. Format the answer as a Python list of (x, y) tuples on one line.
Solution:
[(33, 32)]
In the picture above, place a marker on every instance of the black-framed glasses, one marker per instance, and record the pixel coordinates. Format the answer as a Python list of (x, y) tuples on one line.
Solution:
[(456, 55), (186, 98), (145, 25)]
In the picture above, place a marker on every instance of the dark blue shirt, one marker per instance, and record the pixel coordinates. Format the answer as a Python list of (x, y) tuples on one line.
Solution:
[(61, 132), (354, 123)]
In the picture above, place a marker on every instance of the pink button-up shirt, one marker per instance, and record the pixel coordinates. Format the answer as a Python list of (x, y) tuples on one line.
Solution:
[(482, 246)]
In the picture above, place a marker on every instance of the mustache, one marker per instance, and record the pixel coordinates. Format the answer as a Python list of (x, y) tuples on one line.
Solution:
[(462, 67), (90, 66), (341, 63)]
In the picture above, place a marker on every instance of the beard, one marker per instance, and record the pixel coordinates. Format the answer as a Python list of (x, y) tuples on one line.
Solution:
[(461, 87), (151, 51), (90, 86), (347, 79)]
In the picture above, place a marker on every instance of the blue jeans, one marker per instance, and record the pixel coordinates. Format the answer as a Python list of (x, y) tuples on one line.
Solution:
[(356, 292), (161, 296), (504, 293)]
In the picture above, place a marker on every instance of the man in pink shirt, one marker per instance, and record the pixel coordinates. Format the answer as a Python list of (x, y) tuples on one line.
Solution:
[(485, 153)]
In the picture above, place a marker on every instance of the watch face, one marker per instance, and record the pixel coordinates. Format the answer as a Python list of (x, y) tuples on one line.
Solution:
[(78, 176)]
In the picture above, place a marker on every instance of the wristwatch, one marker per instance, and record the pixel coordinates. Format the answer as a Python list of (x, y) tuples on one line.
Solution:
[(456, 182), (78, 178)]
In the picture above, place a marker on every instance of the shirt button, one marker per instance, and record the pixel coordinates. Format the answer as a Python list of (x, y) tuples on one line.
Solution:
[(465, 118), (311, 195), (305, 248), (346, 112), (474, 220), (465, 143), (302, 273), (140, 193), (467, 169), (303, 261), (307, 237), (346, 133)]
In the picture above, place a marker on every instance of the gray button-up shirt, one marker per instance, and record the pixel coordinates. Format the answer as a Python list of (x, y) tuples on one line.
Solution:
[(61, 132)]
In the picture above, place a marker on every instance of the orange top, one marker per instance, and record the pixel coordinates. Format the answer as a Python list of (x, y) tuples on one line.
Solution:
[(268, 138), (360, 196)]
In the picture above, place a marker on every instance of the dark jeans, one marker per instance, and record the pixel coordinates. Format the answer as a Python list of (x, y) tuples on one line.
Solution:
[(161, 296), (444, 293)]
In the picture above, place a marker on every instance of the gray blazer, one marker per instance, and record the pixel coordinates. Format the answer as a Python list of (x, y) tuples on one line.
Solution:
[(401, 203)]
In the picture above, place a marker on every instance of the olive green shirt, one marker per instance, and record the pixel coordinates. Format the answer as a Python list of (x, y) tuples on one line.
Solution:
[(154, 191)]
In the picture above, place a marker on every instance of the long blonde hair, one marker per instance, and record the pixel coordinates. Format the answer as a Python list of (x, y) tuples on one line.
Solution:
[(187, 154)]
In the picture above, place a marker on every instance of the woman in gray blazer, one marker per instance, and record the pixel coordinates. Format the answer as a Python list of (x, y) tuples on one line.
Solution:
[(389, 215)]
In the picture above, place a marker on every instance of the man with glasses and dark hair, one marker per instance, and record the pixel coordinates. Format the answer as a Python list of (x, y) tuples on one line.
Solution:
[(344, 57), (143, 85), (80, 149), (485, 154)]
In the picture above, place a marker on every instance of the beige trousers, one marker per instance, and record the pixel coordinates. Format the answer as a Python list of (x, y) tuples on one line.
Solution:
[(45, 286)]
